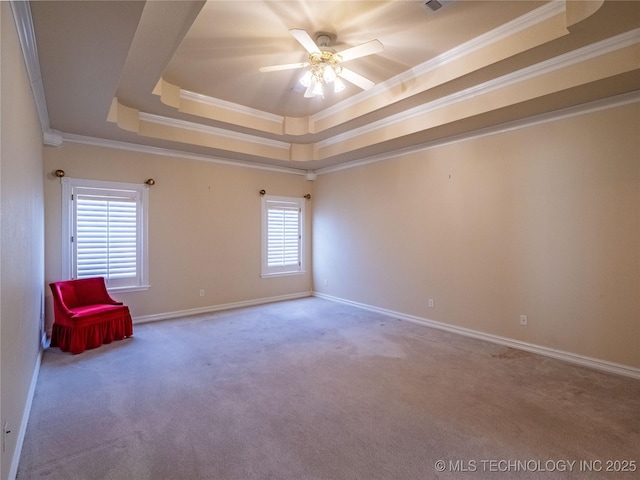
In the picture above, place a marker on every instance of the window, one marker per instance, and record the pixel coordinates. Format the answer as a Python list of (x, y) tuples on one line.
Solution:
[(282, 235), (105, 232)]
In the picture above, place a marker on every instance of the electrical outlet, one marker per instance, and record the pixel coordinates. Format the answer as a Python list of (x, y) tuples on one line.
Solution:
[(431, 303), (326, 282), (524, 320), (202, 293)]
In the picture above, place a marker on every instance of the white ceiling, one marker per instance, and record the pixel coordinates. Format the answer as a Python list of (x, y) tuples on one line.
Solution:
[(91, 52)]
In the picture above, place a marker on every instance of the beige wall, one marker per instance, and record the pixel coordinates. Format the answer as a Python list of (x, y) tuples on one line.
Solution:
[(21, 237), (542, 221), (204, 226)]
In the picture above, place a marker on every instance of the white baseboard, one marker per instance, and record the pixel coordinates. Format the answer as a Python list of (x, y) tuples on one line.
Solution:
[(13, 470), (217, 308), (582, 360)]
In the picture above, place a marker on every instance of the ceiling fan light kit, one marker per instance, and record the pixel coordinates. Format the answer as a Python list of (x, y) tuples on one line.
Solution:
[(324, 67)]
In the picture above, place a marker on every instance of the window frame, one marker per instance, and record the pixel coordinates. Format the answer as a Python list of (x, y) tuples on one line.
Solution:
[(270, 201), (73, 186)]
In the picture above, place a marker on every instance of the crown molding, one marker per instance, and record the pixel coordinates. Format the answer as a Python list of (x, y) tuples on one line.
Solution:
[(583, 54), (26, 34), (53, 138), (568, 59), (485, 40), (206, 129), (605, 104), (230, 106), (166, 152), (584, 109)]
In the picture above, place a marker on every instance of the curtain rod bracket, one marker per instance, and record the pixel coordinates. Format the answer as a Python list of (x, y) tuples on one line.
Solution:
[(59, 173), (263, 193)]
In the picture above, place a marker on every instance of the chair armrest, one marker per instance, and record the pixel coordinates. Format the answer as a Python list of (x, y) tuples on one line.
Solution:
[(59, 303), (106, 298), (65, 310)]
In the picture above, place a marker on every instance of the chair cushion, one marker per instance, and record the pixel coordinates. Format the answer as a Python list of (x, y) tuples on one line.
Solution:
[(89, 310)]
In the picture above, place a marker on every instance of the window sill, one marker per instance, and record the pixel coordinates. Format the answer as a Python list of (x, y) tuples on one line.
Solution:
[(282, 274), (137, 288)]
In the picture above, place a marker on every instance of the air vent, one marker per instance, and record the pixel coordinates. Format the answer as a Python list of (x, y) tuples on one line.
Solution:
[(434, 5)]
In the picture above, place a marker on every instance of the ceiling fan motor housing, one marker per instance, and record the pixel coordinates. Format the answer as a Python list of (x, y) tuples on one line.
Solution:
[(323, 40)]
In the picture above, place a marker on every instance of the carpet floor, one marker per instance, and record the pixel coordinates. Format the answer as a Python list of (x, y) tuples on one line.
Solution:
[(313, 389)]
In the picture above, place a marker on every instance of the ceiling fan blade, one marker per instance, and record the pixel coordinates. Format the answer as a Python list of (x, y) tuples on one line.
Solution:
[(368, 48), (356, 79), (305, 40), (288, 66), (309, 91)]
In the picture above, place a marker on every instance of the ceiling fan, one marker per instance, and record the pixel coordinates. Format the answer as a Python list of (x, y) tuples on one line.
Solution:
[(325, 67)]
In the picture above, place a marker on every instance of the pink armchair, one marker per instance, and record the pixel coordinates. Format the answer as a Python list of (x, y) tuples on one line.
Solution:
[(85, 315)]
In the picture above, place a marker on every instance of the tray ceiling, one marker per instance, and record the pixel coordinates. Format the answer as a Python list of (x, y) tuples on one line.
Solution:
[(183, 76)]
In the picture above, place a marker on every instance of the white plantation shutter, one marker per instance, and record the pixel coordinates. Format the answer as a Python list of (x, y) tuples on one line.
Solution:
[(106, 237), (107, 231), (283, 238), (282, 235)]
